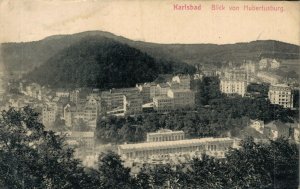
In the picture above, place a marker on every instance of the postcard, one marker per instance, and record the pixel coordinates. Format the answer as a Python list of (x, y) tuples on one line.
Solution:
[(149, 94)]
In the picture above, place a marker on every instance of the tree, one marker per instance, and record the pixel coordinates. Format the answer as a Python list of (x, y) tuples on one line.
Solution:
[(247, 167), (112, 173), (31, 157)]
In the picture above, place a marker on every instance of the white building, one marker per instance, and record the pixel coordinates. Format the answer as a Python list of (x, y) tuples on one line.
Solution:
[(233, 86), (163, 103), (132, 104), (165, 135), (48, 115), (183, 98), (281, 94), (91, 111)]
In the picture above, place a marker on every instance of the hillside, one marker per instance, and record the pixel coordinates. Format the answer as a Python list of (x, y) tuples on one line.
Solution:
[(27, 56), (103, 63)]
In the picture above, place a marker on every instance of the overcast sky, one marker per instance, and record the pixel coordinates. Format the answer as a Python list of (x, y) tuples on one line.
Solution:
[(151, 21)]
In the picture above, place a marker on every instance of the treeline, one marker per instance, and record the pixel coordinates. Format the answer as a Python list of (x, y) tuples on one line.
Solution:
[(264, 166), (215, 115), (99, 62), (31, 157)]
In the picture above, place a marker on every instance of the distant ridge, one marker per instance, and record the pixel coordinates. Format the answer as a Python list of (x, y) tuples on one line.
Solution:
[(26, 56)]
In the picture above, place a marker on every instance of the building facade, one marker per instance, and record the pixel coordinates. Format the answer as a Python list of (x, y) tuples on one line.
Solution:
[(163, 103), (212, 146), (48, 115), (165, 135), (182, 98), (281, 94), (233, 86), (132, 104)]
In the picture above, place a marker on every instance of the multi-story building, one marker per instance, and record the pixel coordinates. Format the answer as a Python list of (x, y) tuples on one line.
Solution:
[(182, 98), (132, 104), (74, 96), (163, 103), (113, 98), (183, 80), (91, 110), (69, 114), (48, 115), (233, 86), (165, 135), (281, 94), (263, 63)]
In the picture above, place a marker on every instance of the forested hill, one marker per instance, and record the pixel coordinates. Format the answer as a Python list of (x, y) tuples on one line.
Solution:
[(26, 56), (103, 63)]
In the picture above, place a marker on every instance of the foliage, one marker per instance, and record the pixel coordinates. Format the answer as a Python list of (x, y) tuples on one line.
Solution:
[(31, 157), (112, 173)]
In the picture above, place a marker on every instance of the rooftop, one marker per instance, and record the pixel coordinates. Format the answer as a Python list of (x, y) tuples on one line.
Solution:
[(166, 144), (165, 131)]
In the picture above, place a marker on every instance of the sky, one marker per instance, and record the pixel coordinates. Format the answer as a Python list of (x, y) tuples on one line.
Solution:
[(149, 20)]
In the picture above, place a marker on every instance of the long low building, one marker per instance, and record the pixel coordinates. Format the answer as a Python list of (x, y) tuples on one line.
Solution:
[(149, 149)]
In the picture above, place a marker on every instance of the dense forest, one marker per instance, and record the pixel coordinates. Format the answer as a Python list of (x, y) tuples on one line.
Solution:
[(99, 62), (215, 115), (31, 157)]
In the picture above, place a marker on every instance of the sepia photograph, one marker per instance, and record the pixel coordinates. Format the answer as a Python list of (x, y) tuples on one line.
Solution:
[(164, 94)]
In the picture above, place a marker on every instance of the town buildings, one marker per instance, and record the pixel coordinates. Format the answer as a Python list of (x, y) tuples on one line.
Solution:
[(281, 94), (113, 98)]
